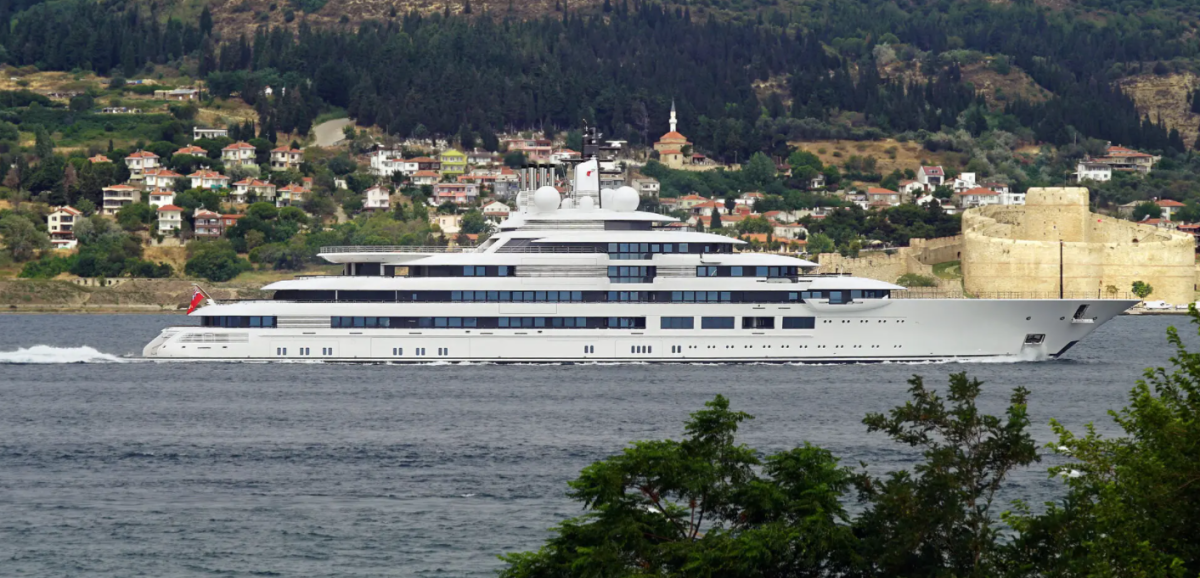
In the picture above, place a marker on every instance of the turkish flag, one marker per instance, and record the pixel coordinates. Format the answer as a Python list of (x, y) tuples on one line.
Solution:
[(196, 300)]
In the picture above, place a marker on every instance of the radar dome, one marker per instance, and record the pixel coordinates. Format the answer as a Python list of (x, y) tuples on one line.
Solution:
[(606, 198), (625, 199), (567, 204), (587, 203), (546, 199)]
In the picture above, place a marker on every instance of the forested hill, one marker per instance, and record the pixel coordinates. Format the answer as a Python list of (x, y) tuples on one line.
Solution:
[(846, 68)]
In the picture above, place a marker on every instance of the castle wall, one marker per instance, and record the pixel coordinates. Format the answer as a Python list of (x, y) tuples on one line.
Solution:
[(1017, 249)]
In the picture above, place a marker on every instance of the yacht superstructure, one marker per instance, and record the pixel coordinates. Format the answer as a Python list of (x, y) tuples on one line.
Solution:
[(590, 278)]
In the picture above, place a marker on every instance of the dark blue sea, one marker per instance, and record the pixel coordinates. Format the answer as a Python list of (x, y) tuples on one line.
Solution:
[(113, 467)]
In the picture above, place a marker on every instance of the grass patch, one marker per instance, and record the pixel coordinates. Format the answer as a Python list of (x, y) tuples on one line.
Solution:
[(948, 270)]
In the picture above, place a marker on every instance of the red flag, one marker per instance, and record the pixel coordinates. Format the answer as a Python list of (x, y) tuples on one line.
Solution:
[(196, 300)]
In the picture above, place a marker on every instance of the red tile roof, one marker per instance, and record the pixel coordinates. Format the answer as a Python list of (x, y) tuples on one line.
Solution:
[(191, 150), (238, 146), (979, 191), (1169, 203), (142, 155), (169, 208)]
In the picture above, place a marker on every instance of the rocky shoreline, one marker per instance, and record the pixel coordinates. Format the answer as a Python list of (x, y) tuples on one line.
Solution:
[(122, 296)]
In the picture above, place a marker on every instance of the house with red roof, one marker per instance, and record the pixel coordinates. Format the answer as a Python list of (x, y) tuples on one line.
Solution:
[(285, 158), (262, 190), (977, 197), (160, 178), (118, 196), (289, 195), (425, 178), (160, 197), (1126, 159), (192, 150), (140, 161), (458, 193), (208, 179), (931, 177), (170, 219), (238, 154), (1169, 208), (61, 226), (99, 159), (880, 197)]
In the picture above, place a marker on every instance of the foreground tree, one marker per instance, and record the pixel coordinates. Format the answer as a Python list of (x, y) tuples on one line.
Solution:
[(1133, 503), (703, 506), (937, 520)]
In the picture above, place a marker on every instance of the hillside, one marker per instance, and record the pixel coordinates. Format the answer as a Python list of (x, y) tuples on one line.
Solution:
[(1166, 97)]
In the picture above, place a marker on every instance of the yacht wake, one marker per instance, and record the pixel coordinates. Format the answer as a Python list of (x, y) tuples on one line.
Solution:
[(46, 354)]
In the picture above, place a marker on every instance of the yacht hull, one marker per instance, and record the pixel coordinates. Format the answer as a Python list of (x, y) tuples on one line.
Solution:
[(883, 330)]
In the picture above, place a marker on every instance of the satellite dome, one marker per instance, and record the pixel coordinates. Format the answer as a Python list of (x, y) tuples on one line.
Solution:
[(546, 199), (567, 203), (606, 198), (625, 199), (587, 203)]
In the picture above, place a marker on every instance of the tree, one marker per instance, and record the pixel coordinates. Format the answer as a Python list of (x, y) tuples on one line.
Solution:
[(715, 223), (820, 243), (82, 103), (135, 216), (473, 223), (1147, 210), (21, 237), (937, 520), (514, 159), (214, 260), (1190, 213), (1142, 289), (759, 170), (1131, 503), (44, 146), (706, 502)]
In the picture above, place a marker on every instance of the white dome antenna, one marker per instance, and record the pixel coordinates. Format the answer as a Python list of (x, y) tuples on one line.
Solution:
[(546, 199)]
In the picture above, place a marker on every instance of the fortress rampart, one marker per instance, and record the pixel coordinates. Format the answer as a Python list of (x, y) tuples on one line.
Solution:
[(1021, 249)]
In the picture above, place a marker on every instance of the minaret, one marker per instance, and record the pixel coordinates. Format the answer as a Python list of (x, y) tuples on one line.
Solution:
[(672, 115)]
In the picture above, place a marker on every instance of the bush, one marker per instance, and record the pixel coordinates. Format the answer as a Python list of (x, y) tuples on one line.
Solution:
[(915, 280), (48, 267), (215, 261)]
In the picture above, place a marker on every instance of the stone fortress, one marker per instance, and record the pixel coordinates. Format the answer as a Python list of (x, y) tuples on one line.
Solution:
[(1014, 251), (1019, 249)]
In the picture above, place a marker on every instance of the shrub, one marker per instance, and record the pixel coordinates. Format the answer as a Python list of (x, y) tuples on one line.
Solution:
[(915, 280), (215, 261)]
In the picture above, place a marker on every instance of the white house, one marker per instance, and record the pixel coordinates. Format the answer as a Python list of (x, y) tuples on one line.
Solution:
[(1169, 208), (931, 177), (139, 161), (61, 226), (789, 230), (378, 198), (558, 156), (161, 197), (1093, 171), (978, 197), (386, 162), (170, 218), (496, 211), (880, 197), (208, 179), (199, 133), (160, 178), (425, 178), (449, 224), (289, 195), (118, 196), (949, 208), (284, 158), (647, 187), (1010, 198), (261, 189), (964, 182), (911, 188), (238, 154)]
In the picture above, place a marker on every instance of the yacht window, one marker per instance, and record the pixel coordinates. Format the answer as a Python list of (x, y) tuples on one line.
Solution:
[(735, 271), (683, 247), (799, 322), (758, 323), (716, 323), (678, 322), (709, 271), (837, 297)]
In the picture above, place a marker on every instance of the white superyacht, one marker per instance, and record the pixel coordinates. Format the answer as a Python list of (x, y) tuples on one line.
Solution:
[(589, 278)]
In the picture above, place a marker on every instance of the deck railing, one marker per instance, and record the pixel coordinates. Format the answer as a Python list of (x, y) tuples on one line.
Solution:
[(917, 293), (414, 249)]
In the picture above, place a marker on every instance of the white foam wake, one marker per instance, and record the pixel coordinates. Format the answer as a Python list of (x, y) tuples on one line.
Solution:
[(46, 354)]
